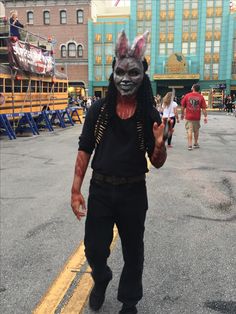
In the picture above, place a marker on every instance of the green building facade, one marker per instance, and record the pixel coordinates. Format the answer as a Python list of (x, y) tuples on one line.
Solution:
[(190, 41)]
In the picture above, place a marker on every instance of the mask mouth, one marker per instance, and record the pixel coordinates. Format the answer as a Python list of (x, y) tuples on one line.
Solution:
[(126, 85)]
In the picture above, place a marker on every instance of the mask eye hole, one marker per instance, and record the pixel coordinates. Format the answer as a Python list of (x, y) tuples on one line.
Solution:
[(134, 72), (119, 72)]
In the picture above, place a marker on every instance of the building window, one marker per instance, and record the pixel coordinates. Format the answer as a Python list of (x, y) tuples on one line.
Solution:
[(80, 51), (140, 5), (163, 27), (167, 4), (185, 48), (162, 49), (210, 3), (185, 26), (98, 53), (166, 48), (80, 17), (215, 68), (139, 27), (190, 4), (71, 50), (108, 71), (170, 26), (193, 48), (189, 48), (170, 48), (207, 69), (30, 17), (63, 51), (98, 73), (218, 3), (208, 47), (148, 50), (46, 17), (209, 24), (216, 46), (217, 23), (109, 53), (98, 38), (63, 17), (109, 37), (193, 25)]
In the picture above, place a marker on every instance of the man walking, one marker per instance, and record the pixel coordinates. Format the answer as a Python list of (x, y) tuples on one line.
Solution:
[(120, 129), (191, 106)]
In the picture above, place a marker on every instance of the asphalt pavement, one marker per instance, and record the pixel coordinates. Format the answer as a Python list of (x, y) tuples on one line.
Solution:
[(190, 237)]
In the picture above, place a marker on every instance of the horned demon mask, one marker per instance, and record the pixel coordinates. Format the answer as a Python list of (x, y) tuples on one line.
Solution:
[(128, 71)]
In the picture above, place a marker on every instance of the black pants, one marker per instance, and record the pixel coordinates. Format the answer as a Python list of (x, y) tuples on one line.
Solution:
[(229, 108), (124, 205), (173, 120)]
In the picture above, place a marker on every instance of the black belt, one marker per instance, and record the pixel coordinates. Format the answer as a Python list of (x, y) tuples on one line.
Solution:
[(117, 180)]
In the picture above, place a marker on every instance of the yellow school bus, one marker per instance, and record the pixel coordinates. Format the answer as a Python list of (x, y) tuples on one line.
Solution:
[(21, 92), (29, 81)]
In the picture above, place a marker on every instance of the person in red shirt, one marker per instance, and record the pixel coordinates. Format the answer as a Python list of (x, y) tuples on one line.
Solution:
[(191, 106)]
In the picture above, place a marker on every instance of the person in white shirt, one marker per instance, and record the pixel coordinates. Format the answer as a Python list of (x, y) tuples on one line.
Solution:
[(89, 102), (170, 115)]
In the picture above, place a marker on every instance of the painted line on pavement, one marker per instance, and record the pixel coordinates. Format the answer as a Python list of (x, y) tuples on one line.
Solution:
[(61, 284), (80, 295)]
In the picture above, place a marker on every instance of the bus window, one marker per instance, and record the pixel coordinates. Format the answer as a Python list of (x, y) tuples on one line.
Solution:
[(32, 86), (50, 87), (65, 88), (1, 85), (8, 86), (45, 87), (56, 87), (25, 85), (39, 87), (17, 86), (60, 87)]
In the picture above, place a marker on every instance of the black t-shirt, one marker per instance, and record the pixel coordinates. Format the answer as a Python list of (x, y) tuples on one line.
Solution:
[(118, 152)]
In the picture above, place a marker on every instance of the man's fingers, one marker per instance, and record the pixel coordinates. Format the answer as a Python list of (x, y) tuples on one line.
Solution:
[(156, 126), (80, 213)]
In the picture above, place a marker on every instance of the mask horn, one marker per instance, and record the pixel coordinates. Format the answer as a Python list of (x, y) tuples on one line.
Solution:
[(122, 45), (139, 46)]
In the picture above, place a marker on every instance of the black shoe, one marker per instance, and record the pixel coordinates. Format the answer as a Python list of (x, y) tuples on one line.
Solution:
[(97, 295), (127, 309)]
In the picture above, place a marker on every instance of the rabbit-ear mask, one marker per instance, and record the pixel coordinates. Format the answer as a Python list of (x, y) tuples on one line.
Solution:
[(137, 49)]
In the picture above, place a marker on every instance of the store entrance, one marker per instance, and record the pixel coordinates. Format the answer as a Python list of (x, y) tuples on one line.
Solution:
[(100, 92), (181, 87)]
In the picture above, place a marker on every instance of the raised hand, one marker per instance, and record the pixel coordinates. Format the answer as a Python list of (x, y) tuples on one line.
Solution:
[(158, 132)]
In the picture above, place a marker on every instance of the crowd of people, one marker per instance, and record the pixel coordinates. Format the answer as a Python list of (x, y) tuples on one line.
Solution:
[(192, 104), (83, 102)]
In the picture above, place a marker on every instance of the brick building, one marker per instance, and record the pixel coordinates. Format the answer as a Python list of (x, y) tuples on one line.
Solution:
[(65, 21)]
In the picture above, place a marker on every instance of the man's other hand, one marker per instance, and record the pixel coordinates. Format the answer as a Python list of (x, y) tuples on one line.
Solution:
[(78, 205)]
